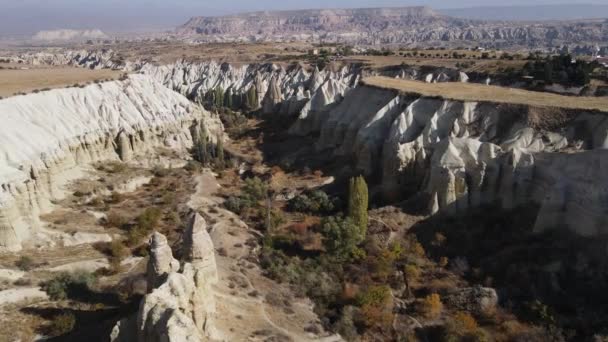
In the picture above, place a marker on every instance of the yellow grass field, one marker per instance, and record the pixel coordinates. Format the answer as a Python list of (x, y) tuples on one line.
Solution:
[(27, 80), (484, 93)]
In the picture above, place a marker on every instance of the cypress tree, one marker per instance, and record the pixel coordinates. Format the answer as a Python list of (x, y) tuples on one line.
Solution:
[(228, 99), (358, 203), (252, 98), (201, 147), (218, 97), (219, 156)]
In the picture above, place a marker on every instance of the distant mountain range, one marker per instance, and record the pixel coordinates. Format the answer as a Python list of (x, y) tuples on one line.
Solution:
[(531, 13), (391, 26)]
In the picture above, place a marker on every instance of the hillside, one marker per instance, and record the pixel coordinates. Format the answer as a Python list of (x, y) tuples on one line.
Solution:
[(388, 26)]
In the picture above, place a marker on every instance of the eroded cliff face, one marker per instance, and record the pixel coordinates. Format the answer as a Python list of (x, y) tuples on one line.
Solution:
[(180, 304), (46, 139), (461, 155)]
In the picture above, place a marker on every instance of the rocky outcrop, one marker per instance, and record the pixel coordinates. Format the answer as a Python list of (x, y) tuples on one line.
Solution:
[(47, 138), (161, 262), (180, 305), (462, 155), (90, 59), (385, 26), (478, 300)]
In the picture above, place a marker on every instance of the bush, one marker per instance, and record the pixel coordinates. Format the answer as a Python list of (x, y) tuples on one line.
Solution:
[(116, 220), (25, 263), (254, 189), (62, 324), (146, 223), (376, 307), (235, 204), (313, 202), (65, 284), (341, 237), (431, 306)]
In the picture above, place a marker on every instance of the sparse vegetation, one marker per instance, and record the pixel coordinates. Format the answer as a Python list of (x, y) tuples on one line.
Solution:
[(66, 285), (25, 263)]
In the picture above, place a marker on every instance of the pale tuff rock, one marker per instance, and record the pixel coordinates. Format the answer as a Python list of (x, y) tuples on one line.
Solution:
[(161, 262), (180, 309), (46, 139), (272, 98), (198, 247), (179, 306), (387, 26), (466, 154)]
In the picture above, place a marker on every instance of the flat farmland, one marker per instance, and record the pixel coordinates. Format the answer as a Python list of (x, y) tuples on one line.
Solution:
[(17, 78)]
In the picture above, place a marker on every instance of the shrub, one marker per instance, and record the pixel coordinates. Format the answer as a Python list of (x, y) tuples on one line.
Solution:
[(65, 284), (25, 263), (431, 306), (375, 306), (235, 204), (341, 237), (255, 189), (62, 324), (117, 220), (314, 202), (146, 223)]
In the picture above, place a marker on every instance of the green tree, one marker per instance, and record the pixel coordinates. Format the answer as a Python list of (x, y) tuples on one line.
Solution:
[(358, 203), (251, 101), (219, 155), (200, 148), (218, 97), (228, 99), (341, 237)]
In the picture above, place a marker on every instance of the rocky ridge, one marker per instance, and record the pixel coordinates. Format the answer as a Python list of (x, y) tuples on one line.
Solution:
[(382, 26), (460, 155), (47, 139)]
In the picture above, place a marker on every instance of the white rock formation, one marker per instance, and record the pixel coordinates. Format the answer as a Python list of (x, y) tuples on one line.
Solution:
[(161, 262), (465, 154), (68, 35), (45, 138), (180, 306)]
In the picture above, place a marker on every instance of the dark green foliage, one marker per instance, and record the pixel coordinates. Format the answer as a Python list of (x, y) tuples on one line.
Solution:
[(341, 236), (251, 98), (313, 202), (219, 161), (228, 101), (252, 193), (218, 97), (201, 148), (65, 285), (559, 69), (358, 203)]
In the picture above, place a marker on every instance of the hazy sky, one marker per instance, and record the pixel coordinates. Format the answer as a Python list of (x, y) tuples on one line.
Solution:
[(28, 16)]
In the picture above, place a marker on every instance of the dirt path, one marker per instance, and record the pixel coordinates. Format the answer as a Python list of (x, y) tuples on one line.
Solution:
[(228, 231)]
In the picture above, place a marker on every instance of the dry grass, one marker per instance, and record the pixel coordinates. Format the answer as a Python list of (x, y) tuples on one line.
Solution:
[(482, 93), (477, 65), (27, 80)]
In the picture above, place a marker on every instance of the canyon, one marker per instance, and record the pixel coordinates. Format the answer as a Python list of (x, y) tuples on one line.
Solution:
[(435, 137)]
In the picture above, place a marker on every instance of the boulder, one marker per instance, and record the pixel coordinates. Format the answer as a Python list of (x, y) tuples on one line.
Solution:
[(477, 300)]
